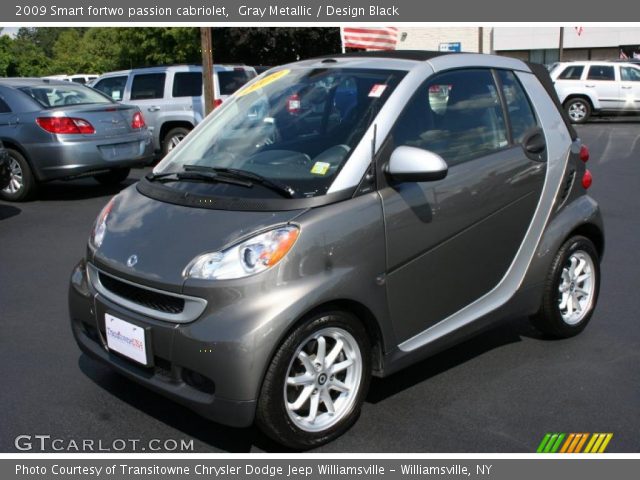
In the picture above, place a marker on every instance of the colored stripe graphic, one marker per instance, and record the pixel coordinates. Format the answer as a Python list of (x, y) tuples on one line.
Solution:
[(556, 442)]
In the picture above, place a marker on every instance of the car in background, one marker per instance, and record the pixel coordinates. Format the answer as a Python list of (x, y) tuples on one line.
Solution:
[(597, 87), (171, 97), (5, 168), (56, 130), (82, 78)]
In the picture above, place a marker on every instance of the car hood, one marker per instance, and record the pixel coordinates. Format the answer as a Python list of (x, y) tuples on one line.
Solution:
[(165, 237)]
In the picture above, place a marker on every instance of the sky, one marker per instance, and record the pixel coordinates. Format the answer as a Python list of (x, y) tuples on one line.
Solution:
[(11, 31)]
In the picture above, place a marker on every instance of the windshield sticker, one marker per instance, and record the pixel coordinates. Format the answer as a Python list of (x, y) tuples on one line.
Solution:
[(320, 168), (263, 82), (377, 90)]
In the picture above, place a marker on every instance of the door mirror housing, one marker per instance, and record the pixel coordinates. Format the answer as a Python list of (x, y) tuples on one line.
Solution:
[(411, 164)]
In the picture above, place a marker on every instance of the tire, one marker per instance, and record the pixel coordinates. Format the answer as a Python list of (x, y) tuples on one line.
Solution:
[(23, 183), (578, 109), (113, 177), (172, 138), (284, 410), (569, 299)]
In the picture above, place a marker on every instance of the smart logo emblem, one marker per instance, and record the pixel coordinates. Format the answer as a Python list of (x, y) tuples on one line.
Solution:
[(132, 260), (574, 443)]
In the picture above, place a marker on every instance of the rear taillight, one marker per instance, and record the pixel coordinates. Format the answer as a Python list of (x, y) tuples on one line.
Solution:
[(138, 121), (584, 153), (217, 102), (65, 125), (587, 179)]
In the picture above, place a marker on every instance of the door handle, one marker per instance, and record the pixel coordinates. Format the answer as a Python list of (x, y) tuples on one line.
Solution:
[(626, 87), (590, 86), (153, 109)]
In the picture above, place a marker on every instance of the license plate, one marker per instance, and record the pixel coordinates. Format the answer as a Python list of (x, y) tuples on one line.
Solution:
[(126, 338), (120, 150)]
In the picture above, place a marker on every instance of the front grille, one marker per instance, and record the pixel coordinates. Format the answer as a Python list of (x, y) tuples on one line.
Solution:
[(142, 296)]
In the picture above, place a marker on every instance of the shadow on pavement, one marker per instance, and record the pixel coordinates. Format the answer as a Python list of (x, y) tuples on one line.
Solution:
[(235, 440), (79, 190), (8, 211)]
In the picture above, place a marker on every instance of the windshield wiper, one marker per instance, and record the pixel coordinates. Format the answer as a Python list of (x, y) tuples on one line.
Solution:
[(281, 188), (195, 176)]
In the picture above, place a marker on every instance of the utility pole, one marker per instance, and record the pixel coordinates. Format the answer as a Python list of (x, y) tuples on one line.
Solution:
[(560, 44), (480, 40), (207, 68)]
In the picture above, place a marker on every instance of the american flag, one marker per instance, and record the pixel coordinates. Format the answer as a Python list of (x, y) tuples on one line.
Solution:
[(372, 38)]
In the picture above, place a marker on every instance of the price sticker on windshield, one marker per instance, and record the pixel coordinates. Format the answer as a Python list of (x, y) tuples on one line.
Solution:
[(320, 168), (377, 90), (269, 79)]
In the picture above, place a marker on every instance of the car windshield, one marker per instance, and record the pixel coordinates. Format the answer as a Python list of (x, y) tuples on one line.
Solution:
[(295, 127), (53, 96)]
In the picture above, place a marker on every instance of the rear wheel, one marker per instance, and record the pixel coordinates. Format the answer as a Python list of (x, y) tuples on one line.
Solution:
[(578, 109), (571, 289), (113, 177), (173, 138), (22, 183), (316, 383)]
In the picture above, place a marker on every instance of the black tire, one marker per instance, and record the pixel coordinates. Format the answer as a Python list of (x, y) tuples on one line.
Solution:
[(173, 136), (113, 177), (272, 416), (580, 105), (549, 320), (29, 184)]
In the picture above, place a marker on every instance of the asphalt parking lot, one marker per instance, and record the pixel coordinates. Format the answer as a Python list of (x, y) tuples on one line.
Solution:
[(500, 392)]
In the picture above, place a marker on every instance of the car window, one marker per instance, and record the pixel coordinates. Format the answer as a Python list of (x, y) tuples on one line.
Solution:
[(630, 74), (112, 86), (520, 112), (187, 84), (601, 72), (52, 96), (457, 115), (232, 80), (572, 72), (147, 86), (4, 108), (296, 127), (81, 80)]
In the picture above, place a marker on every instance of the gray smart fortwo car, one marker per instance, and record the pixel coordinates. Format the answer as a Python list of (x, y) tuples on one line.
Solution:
[(339, 218)]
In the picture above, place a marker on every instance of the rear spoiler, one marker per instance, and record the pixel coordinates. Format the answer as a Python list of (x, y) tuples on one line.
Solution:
[(541, 72)]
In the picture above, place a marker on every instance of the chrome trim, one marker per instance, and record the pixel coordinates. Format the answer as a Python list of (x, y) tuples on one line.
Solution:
[(193, 306), (559, 145)]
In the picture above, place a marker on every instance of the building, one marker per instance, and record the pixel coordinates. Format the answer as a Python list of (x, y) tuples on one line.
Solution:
[(537, 44)]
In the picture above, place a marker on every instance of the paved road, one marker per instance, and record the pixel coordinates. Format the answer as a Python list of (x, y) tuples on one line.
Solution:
[(499, 392)]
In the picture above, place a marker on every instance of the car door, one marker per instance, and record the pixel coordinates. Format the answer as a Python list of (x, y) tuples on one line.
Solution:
[(450, 241), (148, 93), (602, 80), (630, 87)]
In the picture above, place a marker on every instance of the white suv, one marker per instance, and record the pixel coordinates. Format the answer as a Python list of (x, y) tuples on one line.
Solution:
[(593, 87), (170, 97)]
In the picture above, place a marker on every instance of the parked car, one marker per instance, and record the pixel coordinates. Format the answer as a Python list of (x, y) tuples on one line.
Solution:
[(5, 167), (594, 87), (171, 97), (314, 245), (59, 130), (82, 78)]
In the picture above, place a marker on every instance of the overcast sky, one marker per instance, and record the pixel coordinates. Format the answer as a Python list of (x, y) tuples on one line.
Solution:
[(11, 31)]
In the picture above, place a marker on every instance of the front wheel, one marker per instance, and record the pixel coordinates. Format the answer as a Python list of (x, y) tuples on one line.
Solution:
[(571, 289), (316, 383), (578, 109)]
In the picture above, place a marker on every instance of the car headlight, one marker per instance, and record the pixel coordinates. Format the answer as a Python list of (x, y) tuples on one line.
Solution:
[(249, 257), (100, 227)]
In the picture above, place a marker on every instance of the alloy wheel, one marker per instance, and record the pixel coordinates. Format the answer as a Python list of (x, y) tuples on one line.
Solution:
[(16, 182), (577, 286)]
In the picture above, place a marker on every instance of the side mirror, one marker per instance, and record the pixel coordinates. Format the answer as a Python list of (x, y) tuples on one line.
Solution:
[(411, 164)]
